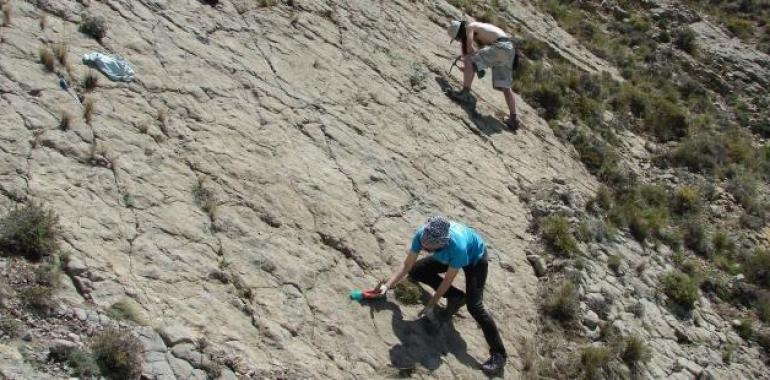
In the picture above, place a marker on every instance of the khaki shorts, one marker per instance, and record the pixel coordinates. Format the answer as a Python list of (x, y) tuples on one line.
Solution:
[(500, 58)]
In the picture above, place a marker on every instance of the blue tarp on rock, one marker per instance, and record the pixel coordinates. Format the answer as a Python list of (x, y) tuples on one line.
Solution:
[(116, 68)]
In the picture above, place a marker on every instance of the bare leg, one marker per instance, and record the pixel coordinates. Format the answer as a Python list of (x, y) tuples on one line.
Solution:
[(468, 73), (510, 99)]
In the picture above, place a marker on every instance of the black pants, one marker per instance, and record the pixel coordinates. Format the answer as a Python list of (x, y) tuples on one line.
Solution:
[(426, 270)]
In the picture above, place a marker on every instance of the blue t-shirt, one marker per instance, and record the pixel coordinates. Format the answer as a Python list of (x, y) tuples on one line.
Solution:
[(465, 246)]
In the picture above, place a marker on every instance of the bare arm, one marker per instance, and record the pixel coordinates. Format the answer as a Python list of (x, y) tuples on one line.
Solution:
[(403, 269), (449, 277)]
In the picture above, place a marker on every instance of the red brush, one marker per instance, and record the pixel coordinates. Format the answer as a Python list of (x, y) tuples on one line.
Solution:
[(368, 294)]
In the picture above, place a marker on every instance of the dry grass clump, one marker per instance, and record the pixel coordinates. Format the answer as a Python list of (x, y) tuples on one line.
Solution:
[(90, 81), (60, 51), (65, 120), (7, 14), (88, 108), (47, 58), (118, 354)]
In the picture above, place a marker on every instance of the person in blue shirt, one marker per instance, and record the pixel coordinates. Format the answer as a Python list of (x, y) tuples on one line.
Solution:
[(453, 246)]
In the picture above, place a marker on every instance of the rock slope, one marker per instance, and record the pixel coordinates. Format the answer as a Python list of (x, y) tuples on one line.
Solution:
[(265, 162)]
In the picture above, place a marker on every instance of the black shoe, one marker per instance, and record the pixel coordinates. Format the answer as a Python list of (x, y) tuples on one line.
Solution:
[(453, 304), (512, 122), (495, 364)]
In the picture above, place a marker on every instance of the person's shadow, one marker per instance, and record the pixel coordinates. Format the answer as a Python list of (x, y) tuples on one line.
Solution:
[(486, 124), (421, 342)]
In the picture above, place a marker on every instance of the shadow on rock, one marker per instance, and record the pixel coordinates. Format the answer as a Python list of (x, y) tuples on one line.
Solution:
[(421, 342), (486, 124)]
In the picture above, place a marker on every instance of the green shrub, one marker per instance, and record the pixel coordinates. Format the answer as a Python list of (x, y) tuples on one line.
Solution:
[(532, 48), (118, 354), (93, 26), (695, 236), (38, 299), (83, 364), (29, 231), (728, 353), (548, 97), (639, 228), (742, 29), (691, 268), (668, 121), (603, 198), (763, 339), (686, 200), (591, 229), (594, 153), (595, 360), (744, 187), (630, 99), (685, 40), (563, 303), (407, 293), (763, 308), (48, 274), (722, 243), (681, 289), (671, 237), (653, 196), (726, 263), (557, 234), (745, 329), (758, 268), (635, 351), (703, 153), (10, 327)]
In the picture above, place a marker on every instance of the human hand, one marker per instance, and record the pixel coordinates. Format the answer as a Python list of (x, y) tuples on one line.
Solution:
[(428, 312), (382, 289)]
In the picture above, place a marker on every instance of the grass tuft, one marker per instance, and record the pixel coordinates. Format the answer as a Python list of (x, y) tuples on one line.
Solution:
[(47, 58)]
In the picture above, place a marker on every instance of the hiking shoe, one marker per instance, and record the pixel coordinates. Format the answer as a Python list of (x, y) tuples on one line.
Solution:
[(495, 364), (512, 122), (453, 304), (463, 96)]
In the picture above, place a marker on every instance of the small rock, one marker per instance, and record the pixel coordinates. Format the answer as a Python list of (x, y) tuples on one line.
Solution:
[(697, 319), (81, 315), (75, 267), (736, 323), (227, 374), (595, 301), (537, 264), (176, 334), (592, 334), (74, 337), (151, 340), (739, 277), (682, 363), (591, 319), (706, 374)]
